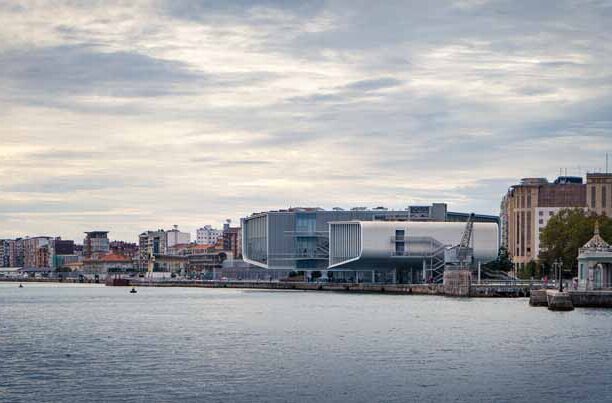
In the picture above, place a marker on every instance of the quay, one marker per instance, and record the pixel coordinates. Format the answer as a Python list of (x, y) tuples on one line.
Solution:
[(577, 299), (491, 290)]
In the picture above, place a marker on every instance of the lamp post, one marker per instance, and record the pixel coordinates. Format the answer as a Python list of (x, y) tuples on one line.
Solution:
[(559, 264)]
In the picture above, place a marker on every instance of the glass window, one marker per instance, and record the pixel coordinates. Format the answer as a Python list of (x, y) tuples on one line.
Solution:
[(604, 196), (541, 213), (399, 248), (399, 234), (541, 221), (593, 196), (305, 222)]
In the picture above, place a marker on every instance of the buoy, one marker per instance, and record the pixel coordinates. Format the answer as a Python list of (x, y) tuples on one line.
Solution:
[(20, 285), (133, 291)]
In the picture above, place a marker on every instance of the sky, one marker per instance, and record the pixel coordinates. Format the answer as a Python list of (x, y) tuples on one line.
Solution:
[(133, 115)]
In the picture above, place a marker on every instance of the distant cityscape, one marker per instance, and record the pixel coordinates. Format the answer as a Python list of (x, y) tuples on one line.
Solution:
[(355, 244)]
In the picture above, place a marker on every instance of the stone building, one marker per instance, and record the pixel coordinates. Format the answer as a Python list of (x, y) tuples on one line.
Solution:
[(528, 207)]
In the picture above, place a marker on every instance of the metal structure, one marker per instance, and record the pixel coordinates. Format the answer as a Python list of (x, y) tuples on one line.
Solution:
[(461, 255)]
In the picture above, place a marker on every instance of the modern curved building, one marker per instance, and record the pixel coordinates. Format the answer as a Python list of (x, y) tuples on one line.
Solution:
[(415, 251), (312, 239)]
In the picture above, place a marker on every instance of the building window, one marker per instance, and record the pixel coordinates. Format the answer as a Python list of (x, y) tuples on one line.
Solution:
[(305, 222), (399, 234), (529, 227), (399, 248), (593, 196), (604, 196), (541, 221), (529, 200), (540, 213), (550, 213)]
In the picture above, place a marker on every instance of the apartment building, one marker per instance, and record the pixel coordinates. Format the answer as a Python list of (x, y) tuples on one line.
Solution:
[(528, 206)]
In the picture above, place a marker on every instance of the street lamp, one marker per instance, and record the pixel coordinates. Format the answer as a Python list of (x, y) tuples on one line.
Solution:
[(558, 264)]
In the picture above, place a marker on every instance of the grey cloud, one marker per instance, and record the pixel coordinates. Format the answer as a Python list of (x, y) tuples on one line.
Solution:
[(79, 183), (88, 70), (229, 163), (374, 84)]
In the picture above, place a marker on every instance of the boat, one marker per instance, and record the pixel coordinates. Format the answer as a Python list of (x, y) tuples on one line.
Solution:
[(133, 291), (20, 285)]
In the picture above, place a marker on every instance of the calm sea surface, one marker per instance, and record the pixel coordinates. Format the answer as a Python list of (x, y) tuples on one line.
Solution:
[(95, 343)]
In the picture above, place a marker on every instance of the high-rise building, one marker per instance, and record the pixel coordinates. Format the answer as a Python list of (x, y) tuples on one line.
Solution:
[(16, 252), (599, 193), (150, 244), (5, 252), (32, 254), (207, 235), (96, 244), (528, 206)]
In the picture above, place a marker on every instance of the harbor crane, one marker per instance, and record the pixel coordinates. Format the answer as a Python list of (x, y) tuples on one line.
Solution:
[(460, 256)]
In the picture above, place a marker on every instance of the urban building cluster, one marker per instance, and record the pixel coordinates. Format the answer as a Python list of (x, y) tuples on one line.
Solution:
[(169, 252), (528, 206), (411, 245)]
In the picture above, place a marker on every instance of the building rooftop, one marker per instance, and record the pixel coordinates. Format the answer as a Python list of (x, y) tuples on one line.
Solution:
[(597, 242)]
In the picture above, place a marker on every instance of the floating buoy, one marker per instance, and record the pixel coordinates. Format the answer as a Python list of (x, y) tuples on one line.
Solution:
[(133, 291), (20, 285)]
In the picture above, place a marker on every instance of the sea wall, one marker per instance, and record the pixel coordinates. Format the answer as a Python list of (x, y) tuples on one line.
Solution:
[(599, 299)]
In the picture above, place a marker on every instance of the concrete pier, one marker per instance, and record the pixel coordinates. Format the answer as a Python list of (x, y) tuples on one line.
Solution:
[(538, 298), (457, 283), (559, 301)]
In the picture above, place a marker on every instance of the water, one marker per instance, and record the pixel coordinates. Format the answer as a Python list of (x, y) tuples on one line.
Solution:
[(96, 343)]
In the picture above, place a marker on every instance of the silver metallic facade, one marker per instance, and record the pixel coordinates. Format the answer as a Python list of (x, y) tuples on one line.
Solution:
[(299, 238)]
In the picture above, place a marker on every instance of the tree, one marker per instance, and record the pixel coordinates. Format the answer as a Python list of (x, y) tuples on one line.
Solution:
[(531, 270), (501, 263), (566, 232)]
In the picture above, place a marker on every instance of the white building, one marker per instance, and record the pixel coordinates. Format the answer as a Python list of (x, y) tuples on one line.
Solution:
[(414, 251), (207, 235), (595, 264), (543, 215), (176, 237)]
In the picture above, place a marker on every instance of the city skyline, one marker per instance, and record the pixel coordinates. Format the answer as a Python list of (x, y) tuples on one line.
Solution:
[(129, 118)]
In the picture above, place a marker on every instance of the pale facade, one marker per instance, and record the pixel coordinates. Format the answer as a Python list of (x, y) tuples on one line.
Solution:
[(542, 216), (176, 237), (207, 235)]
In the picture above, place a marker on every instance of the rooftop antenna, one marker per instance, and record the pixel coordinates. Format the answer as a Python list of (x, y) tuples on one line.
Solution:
[(565, 171), (607, 163)]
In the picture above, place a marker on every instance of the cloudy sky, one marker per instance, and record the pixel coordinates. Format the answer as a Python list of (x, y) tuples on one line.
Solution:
[(135, 115)]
